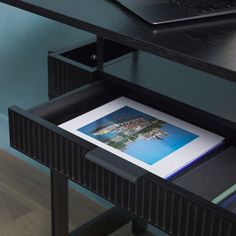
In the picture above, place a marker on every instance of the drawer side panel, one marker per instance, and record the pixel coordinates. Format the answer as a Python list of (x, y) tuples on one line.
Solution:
[(64, 77)]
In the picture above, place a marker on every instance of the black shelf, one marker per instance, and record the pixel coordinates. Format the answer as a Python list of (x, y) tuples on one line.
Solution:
[(157, 201), (207, 45), (199, 90), (73, 67)]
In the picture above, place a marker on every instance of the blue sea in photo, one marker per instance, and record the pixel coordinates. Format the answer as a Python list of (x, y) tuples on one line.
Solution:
[(146, 147)]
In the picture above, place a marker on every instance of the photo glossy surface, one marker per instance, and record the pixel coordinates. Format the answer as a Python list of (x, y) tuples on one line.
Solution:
[(139, 135)]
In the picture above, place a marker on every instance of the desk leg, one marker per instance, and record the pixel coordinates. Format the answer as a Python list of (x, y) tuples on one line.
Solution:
[(59, 204), (100, 52), (138, 226)]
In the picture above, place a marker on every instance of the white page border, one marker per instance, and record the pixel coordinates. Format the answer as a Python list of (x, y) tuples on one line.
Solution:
[(170, 164)]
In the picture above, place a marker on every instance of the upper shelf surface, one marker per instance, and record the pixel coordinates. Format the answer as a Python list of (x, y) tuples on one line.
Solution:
[(209, 45)]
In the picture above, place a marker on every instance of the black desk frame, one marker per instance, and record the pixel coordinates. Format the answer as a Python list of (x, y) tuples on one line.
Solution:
[(59, 182), (102, 225), (105, 223), (157, 201)]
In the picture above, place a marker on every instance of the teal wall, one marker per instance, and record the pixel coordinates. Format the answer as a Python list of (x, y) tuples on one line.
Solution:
[(25, 39)]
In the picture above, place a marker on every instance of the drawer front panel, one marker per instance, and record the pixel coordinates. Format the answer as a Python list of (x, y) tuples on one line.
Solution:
[(178, 213), (46, 146)]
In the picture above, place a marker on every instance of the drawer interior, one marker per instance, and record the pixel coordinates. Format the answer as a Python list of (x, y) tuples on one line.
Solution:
[(212, 177), (65, 107), (89, 97), (85, 54)]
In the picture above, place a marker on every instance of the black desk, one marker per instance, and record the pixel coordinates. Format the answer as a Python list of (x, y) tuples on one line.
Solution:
[(207, 46)]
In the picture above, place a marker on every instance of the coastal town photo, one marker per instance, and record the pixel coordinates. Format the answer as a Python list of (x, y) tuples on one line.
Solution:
[(137, 134)]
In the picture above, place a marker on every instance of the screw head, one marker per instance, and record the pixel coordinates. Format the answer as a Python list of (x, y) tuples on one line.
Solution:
[(93, 57)]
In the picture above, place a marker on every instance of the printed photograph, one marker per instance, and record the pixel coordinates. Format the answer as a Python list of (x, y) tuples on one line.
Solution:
[(139, 135)]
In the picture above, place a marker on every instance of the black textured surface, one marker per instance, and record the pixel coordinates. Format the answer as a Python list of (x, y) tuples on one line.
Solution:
[(213, 177), (205, 5), (208, 45)]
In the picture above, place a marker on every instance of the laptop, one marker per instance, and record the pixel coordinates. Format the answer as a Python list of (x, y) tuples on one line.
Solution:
[(168, 11)]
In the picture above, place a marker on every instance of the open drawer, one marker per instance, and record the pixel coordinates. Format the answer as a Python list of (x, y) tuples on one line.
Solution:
[(73, 67), (163, 203)]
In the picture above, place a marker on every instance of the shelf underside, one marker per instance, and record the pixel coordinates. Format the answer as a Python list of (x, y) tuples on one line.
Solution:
[(197, 89)]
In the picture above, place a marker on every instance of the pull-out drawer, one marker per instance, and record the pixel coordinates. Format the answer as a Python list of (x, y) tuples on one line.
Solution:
[(76, 66), (160, 202)]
